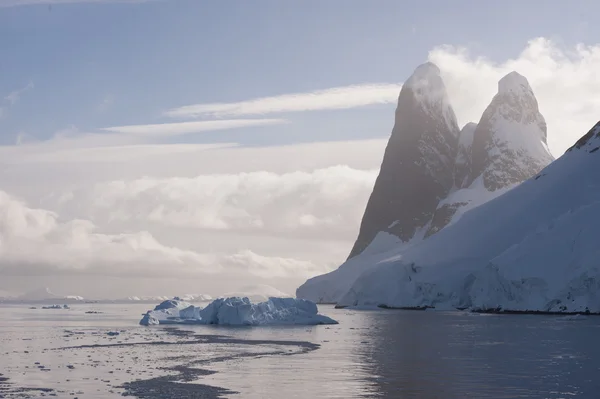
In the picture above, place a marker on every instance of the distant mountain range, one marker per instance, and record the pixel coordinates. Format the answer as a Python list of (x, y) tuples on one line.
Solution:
[(256, 293)]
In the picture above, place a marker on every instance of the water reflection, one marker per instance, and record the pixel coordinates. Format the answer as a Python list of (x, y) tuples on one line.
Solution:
[(452, 355)]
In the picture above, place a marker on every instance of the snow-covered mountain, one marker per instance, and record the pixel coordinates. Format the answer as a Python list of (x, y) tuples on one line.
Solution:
[(256, 293), (510, 139), (506, 147), (534, 248), (196, 298), (151, 298), (44, 294), (4, 295), (159, 298), (432, 173)]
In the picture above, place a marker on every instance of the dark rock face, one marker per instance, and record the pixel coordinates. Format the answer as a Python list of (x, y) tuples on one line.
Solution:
[(443, 216), (418, 164), (587, 139), (462, 164)]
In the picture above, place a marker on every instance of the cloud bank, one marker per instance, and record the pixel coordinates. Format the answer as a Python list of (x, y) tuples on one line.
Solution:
[(12, 98), (214, 214), (324, 203), (34, 241)]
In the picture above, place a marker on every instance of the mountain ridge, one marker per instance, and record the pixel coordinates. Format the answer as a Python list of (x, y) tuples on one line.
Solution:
[(457, 170)]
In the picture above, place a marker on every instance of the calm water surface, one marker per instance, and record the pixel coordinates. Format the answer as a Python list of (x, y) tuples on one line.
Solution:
[(384, 354)]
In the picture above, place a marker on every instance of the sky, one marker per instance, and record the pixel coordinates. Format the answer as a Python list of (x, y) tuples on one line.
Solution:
[(168, 147)]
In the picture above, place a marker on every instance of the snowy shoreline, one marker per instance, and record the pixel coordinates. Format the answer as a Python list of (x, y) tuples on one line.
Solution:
[(475, 311)]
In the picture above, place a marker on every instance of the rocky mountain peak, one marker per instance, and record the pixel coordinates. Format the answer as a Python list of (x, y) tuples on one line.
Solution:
[(509, 144), (417, 167), (514, 82), (426, 80)]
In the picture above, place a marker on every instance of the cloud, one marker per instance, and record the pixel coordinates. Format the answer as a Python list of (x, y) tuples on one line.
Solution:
[(35, 241), (105, 104), (565, 81), (203, 200), (15, 95), (325, 203), (23, 138), (329, 99), (12, 98), (16, 3), (175, 129)]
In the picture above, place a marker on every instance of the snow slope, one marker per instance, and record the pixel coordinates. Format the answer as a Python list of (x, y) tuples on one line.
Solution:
[(533, 248), (6, 295), (238, 311), (44, 294)]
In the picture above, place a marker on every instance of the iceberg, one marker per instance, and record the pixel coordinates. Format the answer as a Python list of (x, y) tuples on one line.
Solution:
[(237, 311), (56, 307)]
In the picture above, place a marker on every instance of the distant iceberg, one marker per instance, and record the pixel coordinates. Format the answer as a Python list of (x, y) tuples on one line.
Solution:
[(236, 311), (55, 307)]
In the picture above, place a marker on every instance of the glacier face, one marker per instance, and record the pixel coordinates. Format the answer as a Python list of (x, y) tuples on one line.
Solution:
[(444, 171), (533, 248)]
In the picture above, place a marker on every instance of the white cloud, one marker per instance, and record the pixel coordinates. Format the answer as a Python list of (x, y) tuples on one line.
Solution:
[(175, 129), (565, 81), (325, 203), (105, 104), (15, 95), (35, 241), (12, 98), (329, 99)]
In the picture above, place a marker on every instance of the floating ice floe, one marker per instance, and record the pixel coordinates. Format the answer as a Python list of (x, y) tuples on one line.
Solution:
[(236, 311)]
